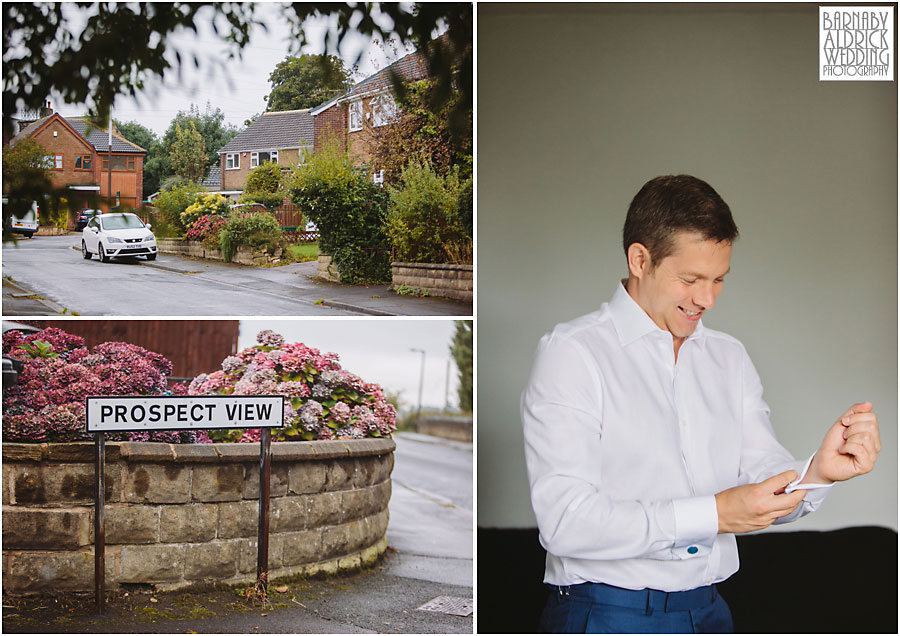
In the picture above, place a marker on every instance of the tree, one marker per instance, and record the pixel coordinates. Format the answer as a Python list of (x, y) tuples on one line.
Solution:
[(26, 178), (420, 132), (32, 29), (306, 81), (461, 349), (136, 133), (210, 124), (188, 153)]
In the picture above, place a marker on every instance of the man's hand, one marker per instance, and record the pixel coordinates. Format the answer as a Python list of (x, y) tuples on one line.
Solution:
[(756, 506), (849, 449)]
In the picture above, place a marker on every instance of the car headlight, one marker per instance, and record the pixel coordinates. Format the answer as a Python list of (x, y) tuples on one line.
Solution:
[(113, 239), (149, 237)]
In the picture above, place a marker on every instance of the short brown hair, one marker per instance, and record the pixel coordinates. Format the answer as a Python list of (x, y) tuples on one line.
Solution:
[(676, 203)]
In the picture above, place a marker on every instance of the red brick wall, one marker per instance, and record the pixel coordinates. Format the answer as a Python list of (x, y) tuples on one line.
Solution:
[(329, 123), (68, 145), (234, 179)]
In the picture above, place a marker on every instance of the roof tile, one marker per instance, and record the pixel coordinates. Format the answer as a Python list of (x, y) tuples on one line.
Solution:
[(280, 129)]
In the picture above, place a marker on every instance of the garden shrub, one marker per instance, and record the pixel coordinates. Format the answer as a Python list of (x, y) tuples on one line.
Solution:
[(206, 229), (171, 203), (47, 403), (324, 400), (423, 222), (348, 210), (205, 204), (255, 230)]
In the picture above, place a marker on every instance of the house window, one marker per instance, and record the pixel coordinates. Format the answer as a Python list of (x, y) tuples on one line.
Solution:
[(384, 110), (257, 158), (119, 163), (82, 162), (356, 115), (232, 161), (378, 177), (57, 162)]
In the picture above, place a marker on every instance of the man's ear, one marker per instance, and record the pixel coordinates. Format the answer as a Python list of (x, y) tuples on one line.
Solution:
[(639, 263)]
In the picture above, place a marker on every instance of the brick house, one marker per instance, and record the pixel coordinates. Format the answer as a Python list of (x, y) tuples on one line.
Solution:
[(80, 162), (277, 136), (368, 104)]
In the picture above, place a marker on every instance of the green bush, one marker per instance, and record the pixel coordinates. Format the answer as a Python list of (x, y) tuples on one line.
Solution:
[(349, 211), (424, 222), (171, 203), (266, 177), (255, 230)]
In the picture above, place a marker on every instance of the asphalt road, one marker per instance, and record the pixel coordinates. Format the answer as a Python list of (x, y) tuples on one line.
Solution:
[(51, 268)]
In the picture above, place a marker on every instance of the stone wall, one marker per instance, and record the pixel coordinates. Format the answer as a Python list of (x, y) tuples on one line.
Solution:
[(447, 426), (181, 515), (243, 254), (448, 281), (50, 230), (326, 270)]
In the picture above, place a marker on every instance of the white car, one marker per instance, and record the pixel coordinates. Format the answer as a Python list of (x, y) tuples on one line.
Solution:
[(118, 234)]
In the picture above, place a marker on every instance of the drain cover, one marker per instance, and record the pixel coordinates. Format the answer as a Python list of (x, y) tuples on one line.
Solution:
[(449, 605)]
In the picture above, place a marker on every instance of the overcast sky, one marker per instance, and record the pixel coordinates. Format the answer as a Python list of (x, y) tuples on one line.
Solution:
[(160, 101), (377, 350)]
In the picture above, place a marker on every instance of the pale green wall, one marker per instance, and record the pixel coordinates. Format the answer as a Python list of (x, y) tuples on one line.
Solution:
[(578, 106)]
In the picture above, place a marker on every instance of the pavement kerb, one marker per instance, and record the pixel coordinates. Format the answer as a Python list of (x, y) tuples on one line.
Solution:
[(49, 304), (336, 304)]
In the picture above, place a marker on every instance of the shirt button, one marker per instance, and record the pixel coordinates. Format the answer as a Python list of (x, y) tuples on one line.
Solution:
[(693, 549)]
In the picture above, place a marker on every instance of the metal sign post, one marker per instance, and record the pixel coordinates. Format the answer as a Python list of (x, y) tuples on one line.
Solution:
[(99, 527), (262, 536), (173, 413)]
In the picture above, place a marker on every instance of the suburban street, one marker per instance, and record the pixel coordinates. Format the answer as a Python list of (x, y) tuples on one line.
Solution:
[(51, 268)]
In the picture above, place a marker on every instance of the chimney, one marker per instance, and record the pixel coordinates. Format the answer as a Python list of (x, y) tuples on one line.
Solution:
[(46, 109)]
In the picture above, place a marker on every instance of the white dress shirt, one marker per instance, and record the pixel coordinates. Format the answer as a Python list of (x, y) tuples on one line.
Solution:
[(626, 449)]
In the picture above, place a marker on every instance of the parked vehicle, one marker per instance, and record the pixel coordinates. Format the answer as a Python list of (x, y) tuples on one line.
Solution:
[(27, 224), (84, 216), (117, 234)]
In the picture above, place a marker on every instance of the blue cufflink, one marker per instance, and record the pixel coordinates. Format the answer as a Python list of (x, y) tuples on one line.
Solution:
[(693, 549)]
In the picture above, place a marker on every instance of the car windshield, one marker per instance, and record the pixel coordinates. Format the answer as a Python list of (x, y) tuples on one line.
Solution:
[(121, 222)]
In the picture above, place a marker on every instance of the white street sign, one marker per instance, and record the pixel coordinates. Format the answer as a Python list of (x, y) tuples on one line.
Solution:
[(182, 412)]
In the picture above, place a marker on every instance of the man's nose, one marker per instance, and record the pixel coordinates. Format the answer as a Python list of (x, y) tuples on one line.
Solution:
[(706, 295)]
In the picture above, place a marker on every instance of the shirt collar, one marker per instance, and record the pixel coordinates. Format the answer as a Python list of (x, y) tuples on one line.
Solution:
[(633, 323)]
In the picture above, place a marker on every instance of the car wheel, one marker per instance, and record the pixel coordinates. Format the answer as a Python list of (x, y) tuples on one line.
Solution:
[(102, 253), (151, 257), (84, 252), (29, 235)]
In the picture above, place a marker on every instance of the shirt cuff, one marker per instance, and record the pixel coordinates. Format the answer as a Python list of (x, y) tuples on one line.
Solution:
[(795, 485), (696, 526)]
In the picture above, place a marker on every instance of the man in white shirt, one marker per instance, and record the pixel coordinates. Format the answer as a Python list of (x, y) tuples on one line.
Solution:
[(648, 443)]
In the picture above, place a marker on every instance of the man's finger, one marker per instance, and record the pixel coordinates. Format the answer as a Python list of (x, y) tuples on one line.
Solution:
[(787, 503), (859, 418), (779, 481), (862, 407)]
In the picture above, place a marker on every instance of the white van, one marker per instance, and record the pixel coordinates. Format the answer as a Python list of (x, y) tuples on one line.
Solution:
[(26, 224)]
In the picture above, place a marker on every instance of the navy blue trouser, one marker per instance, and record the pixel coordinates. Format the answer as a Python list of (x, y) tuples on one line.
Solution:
[(597, 608)]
